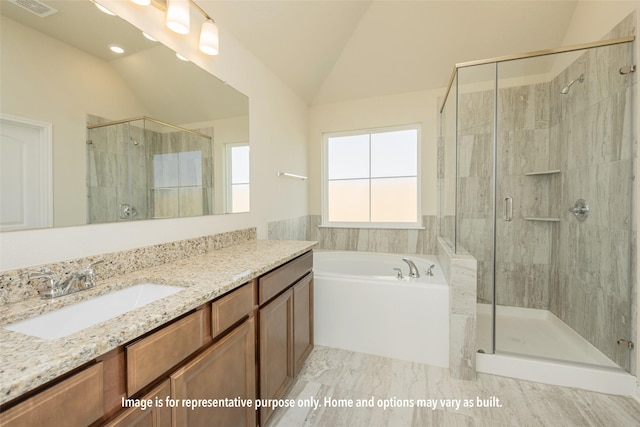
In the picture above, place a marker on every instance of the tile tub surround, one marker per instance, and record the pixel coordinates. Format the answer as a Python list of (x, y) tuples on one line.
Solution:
[(28, 362), (15, 287), (460, 272), (399, 241)]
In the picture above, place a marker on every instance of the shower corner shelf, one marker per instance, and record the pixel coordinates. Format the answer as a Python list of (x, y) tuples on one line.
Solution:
[(543, 219), (549, 172)]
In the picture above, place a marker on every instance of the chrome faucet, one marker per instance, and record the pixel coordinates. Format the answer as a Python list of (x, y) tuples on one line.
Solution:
[(413, 270), (82, 279)]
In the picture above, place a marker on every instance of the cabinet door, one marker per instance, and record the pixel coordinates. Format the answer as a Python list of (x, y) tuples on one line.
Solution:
[(78, 400), (224, 371), (276, 349), (302, 321), (154, 416)]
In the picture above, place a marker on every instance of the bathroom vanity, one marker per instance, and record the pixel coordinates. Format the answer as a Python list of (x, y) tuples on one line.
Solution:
[(239, 331)]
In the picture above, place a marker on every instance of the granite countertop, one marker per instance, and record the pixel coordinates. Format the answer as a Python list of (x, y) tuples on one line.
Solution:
[(27, 362)]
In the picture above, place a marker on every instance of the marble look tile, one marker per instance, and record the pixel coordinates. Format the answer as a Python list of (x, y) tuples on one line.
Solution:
[(522, 403), (463, 286), (462, 348), (404, 241)]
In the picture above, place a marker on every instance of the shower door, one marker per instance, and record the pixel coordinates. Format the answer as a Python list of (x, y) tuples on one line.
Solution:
[(563, 170)]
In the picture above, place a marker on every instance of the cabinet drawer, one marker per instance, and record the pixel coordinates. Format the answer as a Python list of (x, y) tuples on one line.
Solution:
[(271, 284), (78, 401), (231, 308), (155, 354)]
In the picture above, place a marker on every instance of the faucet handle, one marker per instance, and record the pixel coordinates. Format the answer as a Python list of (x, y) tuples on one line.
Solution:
[(45, 291), (93, 264), (430, 270), (399, 273), (89, 274)]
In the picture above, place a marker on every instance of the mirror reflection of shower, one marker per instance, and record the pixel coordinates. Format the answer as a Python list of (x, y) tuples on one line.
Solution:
[(143, 168), (565, 90)]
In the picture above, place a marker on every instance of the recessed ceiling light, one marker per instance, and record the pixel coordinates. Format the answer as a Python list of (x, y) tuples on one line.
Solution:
[(104, 9), (116, 49), (147, 36), (181, 58)]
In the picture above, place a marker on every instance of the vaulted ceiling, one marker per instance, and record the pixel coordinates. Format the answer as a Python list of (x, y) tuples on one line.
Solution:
[(334, 50)]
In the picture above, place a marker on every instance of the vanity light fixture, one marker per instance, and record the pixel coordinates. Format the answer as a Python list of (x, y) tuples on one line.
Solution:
[(181, 58), (178, 19), (178, 16), (209, 39)]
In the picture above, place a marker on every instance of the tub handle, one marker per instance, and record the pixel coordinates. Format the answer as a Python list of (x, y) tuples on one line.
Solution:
[(399, 274), (508, 209)]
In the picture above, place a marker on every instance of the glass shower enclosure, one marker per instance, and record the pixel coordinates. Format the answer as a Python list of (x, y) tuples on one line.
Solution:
[(535, 180), (142, 168)]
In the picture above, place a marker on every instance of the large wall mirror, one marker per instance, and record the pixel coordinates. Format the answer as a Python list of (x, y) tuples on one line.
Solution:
[(92, 136)]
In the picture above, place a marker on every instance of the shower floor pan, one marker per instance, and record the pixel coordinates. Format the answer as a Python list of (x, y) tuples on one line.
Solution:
[(536, 345)]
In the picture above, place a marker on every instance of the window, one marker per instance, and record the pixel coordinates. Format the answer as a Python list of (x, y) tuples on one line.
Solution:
[(371, 177), (238, 177)]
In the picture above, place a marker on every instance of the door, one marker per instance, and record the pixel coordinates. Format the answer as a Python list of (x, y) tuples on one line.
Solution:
[(563, 209), (25, 174)]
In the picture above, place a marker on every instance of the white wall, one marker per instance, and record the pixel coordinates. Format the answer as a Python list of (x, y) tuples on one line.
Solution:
[(402, 109), (278, 133), (62, 97)]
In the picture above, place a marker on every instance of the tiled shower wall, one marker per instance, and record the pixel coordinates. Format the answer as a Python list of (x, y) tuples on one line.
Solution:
[(593, 127), (125, 166), (545, 258)]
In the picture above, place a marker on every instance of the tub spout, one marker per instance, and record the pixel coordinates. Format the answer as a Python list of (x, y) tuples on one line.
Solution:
[(413, 270)]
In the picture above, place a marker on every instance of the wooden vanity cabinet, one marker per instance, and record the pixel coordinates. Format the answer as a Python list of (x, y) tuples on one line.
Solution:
[(208, 354), (226, 370), (302, 321), (285, 326), (78, 400), (154, 416), (276, 350)]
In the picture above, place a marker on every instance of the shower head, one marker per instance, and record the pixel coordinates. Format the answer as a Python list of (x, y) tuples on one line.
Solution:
[(565, 90)]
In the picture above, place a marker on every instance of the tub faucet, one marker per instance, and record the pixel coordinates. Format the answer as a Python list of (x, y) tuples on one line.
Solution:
[(413, 270)]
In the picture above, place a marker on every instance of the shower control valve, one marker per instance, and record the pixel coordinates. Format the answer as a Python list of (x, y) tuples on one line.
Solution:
[(580, 209)]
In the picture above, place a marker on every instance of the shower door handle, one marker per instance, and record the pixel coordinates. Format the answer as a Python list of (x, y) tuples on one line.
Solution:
[(508, 209)]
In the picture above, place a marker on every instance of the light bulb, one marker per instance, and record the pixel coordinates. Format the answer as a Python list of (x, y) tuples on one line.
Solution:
[(178, 16), (104, 9), (209, 40), (116, 49)]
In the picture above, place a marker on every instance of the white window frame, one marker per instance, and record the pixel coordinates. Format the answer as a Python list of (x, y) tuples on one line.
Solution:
[(378, 225), (228, 185)]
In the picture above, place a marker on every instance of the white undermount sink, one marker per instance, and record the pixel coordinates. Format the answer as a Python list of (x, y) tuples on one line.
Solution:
[(76, 317)]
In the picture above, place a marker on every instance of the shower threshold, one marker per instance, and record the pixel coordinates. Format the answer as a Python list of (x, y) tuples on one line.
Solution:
[(535, 345)]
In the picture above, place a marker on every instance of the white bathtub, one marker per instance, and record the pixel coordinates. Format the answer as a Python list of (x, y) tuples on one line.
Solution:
[(360, 305)]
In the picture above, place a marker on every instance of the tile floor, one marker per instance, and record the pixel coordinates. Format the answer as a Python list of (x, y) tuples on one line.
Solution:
[(345, 377)]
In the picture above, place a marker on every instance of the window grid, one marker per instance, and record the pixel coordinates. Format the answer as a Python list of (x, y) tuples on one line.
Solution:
[(400, 219)]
